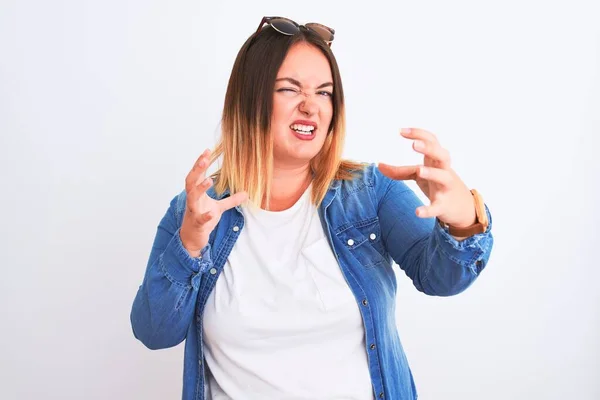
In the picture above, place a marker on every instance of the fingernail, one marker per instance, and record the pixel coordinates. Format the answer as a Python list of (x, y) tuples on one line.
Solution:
[(405, 130), (423, 172)]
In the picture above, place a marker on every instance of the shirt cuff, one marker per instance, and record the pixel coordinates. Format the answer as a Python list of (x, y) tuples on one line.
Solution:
[(465, 251), (179, 266)]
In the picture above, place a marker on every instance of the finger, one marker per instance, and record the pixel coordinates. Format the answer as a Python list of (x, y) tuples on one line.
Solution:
[(416, 133), (434, 151), (204, 156), (398, 173), (233, 201), (431, 211), (202, 167), (197, 174), (206, 217), (437, 175), (197, 192)]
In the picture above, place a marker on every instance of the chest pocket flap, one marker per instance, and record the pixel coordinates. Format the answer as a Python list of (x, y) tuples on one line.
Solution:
[(363, 240)]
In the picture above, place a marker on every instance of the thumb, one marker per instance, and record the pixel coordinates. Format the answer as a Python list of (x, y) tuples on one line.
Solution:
[(405, 172), (233, 201)]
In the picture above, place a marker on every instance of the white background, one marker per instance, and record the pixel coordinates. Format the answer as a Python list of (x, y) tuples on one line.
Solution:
[(105, 105)]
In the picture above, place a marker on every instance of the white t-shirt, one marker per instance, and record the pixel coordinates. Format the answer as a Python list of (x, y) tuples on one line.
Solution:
[(282, 322)]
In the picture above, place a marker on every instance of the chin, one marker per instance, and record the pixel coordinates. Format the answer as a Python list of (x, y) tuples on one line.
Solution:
[(306, 154), (296, 157), (297, 151)]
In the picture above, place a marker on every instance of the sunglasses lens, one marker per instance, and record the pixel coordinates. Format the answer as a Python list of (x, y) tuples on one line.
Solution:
[(321, 31), (284, 26)]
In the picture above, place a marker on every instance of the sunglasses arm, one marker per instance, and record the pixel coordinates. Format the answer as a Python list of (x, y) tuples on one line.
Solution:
[(265, 19)]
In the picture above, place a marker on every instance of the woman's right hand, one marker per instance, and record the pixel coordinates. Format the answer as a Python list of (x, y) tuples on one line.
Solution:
[(202, 213)]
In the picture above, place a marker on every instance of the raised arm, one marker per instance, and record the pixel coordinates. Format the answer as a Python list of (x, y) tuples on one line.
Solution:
[(438, 263)]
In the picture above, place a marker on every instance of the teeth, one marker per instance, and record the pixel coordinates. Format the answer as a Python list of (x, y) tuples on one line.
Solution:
[(303, 133), (303, 129)]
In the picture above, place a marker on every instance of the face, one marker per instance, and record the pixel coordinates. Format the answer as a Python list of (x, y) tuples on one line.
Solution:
[(302, 106)]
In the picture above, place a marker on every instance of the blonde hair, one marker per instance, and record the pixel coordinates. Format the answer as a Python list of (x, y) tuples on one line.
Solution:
[(246, 141)]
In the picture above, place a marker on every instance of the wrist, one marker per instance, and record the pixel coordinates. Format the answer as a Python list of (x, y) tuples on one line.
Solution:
[(478, 225), (194, 249), (471, 217)]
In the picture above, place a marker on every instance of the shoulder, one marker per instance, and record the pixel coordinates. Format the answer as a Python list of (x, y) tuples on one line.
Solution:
[(365, 174), (369, 176), (178, 204)]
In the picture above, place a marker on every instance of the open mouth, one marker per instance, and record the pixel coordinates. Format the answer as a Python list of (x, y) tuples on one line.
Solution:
[(304, 130)]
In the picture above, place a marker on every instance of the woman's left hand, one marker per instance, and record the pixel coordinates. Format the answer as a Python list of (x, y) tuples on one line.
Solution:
[(450, 199)]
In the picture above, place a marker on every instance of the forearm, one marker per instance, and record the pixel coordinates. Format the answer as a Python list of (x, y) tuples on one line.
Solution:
[(451, 264), (165, 302), (437, 263)]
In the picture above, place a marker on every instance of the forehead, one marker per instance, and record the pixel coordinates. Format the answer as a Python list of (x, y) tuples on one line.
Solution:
[(306, 64)]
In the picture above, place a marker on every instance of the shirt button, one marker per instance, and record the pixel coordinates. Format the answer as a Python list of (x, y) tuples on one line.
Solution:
[(479, 263), (373, 236), (373, 347), (236, 228), (213, 271), (381, 395), (350, 242), (365, 302)]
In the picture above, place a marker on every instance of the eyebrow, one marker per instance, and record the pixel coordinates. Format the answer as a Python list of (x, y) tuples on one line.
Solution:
[(297, 83)]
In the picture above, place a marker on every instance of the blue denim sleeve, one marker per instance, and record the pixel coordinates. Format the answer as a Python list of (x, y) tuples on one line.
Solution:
[(434, 260), (165, 302)]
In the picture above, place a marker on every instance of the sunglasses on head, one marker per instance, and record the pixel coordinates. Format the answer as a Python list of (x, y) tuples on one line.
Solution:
[(288, 27)]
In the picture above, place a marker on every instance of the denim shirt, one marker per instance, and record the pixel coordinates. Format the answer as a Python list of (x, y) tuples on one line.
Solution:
[(370, 222)]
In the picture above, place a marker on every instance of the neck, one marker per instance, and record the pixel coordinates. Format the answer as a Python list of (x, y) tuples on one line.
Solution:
[(288, 185)]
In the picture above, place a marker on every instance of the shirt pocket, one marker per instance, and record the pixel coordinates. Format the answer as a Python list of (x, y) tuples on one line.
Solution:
[(363, 240)]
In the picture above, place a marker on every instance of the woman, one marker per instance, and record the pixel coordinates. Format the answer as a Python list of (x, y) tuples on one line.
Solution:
[(277, 270)]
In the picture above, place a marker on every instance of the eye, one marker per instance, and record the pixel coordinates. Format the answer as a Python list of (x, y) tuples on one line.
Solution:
[(287, 90), (326, 93)]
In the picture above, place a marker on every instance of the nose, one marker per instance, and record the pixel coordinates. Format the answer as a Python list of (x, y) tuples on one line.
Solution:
[(308, 106)]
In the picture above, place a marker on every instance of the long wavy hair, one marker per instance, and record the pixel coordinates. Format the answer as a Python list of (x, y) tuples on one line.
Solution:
[(246, 141)]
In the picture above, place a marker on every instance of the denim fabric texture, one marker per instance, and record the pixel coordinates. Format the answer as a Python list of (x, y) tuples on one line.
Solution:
[(370, 223)]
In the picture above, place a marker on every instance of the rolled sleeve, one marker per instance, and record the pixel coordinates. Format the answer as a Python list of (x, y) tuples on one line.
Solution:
[(179, 266), (473, 251)]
